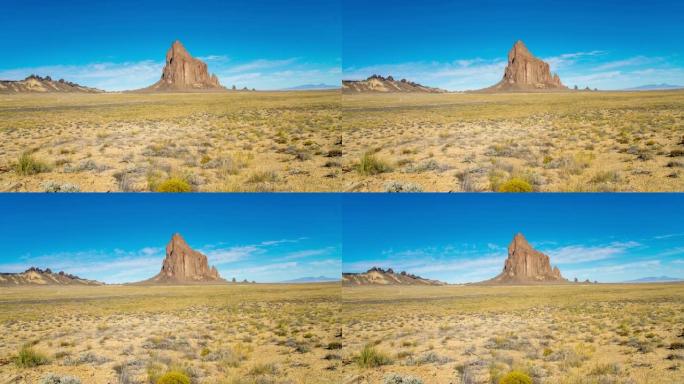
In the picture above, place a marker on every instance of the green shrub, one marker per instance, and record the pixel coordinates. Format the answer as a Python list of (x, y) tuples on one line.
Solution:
[(393, 378), (174, 377), (51, 378), (29, 165), (334, 345), (515, 377), (370, 357), (28, 358), (174, 184), (515, 185), (263, 369), (371, 165)]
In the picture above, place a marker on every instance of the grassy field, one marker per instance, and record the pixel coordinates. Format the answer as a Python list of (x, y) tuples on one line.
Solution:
[(237, 141), (584, 141), (565, 334), (229, 334)]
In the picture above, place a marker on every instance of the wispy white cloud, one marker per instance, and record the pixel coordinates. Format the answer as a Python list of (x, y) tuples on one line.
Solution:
[(214, 58), (569, 59), (573, 254), (605, 272), (577, 68), (113, 267), (630, 62), (259, 74), (107, 76), (257, 65), (220, 256), (303, 254)]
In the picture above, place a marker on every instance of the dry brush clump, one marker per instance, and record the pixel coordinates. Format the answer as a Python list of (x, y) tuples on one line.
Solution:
[(555, 142), (544, 334)]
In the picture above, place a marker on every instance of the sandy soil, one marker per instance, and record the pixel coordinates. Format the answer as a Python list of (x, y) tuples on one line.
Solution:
[(215, 334), (555, 334), (577, 141), (237, 141)]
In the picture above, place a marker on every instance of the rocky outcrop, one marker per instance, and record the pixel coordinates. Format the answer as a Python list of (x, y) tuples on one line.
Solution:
[(37, 276), (526, 265), (379, 276), (183, 265), (37, 84), (387, 84), (525, 72), (183, 73)]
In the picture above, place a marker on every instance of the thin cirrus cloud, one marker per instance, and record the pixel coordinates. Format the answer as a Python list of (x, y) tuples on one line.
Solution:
[(595, 69), (265, 261), (609, 262), (572, 254), (262, 74)]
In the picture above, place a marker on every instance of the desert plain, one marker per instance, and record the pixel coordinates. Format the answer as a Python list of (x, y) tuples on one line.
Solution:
[(229, 141), (214, 334), (560, 334), (574, 141)]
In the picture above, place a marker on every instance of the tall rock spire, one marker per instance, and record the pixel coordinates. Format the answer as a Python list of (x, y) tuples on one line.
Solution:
[(185, 265), (182, 72), (525, 72), (526, 265)]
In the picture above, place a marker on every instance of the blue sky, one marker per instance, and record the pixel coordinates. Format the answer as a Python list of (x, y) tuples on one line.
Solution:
[(464, 238), (459, 45), (118, 45), (121, 237)]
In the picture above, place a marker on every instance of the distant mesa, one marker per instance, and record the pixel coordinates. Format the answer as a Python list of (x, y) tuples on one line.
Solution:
[(377, 83), (656, 87), (184, 73), (656, 279), (183, 265), (311, 279), (38, 84), (526, 265), (525, 72), (379, 276), (312, 87), (37, 276)]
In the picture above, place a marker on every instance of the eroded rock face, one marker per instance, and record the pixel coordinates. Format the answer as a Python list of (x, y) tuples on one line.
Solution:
[(380, 84), (526, 72), (185, 265), (183, 72), (527, 265)]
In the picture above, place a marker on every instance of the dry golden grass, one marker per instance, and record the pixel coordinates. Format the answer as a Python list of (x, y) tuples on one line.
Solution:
[(216, 334), (565, 334), (583, 141), (136, 142)]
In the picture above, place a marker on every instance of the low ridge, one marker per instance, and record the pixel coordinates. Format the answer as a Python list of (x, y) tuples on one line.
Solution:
[(37, 84), (37, 276), (379, 276), (377, 83)]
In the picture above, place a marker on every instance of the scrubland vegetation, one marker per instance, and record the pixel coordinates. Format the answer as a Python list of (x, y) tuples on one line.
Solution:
[(579, 142), (564, 334), (219, 334), (238, 141)]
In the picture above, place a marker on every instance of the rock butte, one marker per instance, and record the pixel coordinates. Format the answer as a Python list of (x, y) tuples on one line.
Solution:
[(184, 265), (525, 72), (526, 265), (183, 72)]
